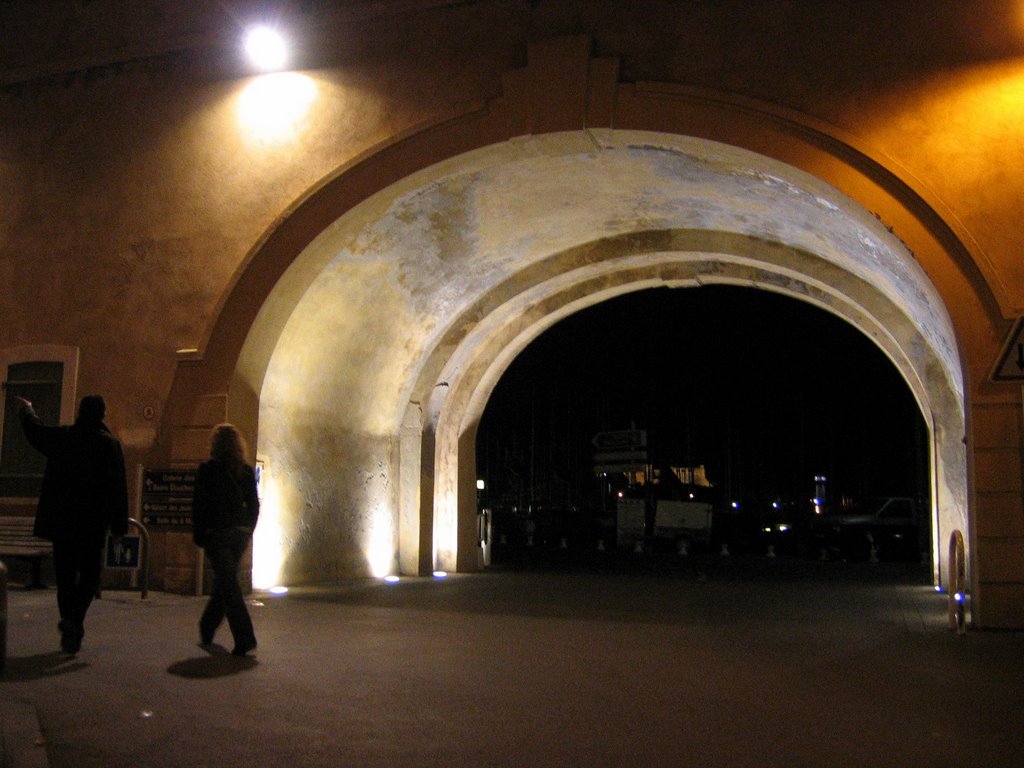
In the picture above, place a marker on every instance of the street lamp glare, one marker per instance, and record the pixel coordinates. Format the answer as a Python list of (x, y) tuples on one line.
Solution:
[(266, 48)]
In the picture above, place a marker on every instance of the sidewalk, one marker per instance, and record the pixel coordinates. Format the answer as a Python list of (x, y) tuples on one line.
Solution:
[(728, 663)]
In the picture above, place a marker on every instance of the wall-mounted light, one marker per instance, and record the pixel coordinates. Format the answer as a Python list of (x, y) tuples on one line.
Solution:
[(266, 48)]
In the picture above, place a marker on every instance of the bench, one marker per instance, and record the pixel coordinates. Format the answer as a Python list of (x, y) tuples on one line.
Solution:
[(17, 542)]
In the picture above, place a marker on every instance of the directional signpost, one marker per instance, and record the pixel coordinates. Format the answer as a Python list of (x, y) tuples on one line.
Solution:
[(621, 451), (167, 497)]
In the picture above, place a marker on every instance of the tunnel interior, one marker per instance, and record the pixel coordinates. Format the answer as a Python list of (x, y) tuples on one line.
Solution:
[(780, 415)]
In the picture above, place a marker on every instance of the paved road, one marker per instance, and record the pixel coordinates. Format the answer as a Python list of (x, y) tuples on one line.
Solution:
[(723, 662)]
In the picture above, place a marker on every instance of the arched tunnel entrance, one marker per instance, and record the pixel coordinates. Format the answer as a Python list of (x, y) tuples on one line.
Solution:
[(700, 421), (394, 325)]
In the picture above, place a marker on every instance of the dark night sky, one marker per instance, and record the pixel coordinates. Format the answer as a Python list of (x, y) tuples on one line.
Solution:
[(764, 390)]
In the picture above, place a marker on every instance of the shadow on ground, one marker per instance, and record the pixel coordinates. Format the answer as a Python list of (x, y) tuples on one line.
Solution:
[(218, 663), (40, 666)]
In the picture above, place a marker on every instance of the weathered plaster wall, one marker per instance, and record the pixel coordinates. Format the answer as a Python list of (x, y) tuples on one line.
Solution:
[(937, 89), (140, 167), (409, 265)]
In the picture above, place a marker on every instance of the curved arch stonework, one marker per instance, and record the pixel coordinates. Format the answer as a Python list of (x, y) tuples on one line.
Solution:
[(425, 292), (475, 368)]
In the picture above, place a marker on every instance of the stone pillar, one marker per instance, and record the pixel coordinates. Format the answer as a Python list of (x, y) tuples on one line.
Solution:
[(998, 464)]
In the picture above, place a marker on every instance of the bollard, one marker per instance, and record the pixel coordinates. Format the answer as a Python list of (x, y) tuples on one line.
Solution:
[(957, 583), (3, 616)]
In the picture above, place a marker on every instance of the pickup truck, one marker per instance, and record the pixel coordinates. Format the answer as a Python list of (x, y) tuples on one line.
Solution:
[(887, 528)]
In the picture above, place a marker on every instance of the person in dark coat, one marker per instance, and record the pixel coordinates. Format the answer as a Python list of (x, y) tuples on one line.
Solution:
[(225, 508), (84, 494)]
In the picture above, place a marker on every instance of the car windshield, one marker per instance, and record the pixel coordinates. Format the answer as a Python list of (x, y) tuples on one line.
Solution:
[(882, 506), (869, 506), (899, 508)]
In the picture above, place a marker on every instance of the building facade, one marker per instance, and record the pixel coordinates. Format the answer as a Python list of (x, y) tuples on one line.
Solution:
[(343, 256)]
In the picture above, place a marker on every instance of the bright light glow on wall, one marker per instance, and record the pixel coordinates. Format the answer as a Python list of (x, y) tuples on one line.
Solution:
[(266, 48), (380, 549), (268, 546), (446, 531), (272, 107)]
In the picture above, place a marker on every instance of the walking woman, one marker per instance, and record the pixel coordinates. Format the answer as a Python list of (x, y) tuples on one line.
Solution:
[(224, 512)]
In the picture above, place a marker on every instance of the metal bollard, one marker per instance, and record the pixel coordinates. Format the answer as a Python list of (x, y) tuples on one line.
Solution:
[(957, 583), (3, 616)]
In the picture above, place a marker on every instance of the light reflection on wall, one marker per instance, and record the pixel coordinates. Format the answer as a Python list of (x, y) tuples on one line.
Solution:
[(272, 107), (381, 545), (989, 100), (928, 120), (968, 182), (268, 544), (446, 530)]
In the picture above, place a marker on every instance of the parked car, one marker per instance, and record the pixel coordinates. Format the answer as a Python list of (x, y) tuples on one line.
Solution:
[(784, 527), (886, 527), (775, 527)]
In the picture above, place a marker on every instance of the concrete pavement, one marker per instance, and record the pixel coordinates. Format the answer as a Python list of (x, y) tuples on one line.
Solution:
[(715, 662)]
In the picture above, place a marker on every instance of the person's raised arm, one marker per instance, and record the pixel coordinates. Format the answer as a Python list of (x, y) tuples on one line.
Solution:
[(36, 434)]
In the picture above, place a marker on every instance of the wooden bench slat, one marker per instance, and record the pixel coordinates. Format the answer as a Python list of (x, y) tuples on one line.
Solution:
[(32, 543), (16, 534), (17, 542)]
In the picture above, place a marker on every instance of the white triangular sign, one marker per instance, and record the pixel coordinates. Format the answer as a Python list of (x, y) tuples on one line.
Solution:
[(1010, 366)]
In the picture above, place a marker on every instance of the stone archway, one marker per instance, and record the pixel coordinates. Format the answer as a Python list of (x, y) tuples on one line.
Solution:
[(481, 363), (424, 293)]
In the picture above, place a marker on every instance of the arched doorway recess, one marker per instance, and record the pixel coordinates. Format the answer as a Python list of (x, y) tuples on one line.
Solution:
[(416, 300)]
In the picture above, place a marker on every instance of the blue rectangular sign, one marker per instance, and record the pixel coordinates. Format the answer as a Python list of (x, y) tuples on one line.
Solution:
[(124, 554)]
